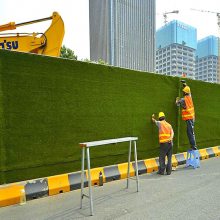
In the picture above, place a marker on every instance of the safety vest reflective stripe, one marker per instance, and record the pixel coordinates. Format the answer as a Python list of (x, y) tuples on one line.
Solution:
[(164, 135), (185, 113), (189, 109), (188, 115), (165, 140)]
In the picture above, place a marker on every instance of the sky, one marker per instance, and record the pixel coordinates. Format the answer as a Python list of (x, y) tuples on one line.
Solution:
[(75, 14)]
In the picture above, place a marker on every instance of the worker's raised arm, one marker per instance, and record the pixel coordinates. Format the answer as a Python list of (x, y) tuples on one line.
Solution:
[(155, 121)]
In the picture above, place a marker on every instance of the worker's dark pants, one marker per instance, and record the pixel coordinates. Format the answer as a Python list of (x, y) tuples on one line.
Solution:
[(165, 150), (190, 133)]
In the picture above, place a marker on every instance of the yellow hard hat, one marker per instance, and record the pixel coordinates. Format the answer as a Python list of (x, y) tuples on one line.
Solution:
[(186, 89), (161, 114)]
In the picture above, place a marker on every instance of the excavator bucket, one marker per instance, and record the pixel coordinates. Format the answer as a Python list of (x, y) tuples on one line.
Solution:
[(48, 43), (54, 36)]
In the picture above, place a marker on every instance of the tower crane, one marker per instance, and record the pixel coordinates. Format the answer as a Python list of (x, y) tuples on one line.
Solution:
[(218, 23), (166, 13), (213, 12)]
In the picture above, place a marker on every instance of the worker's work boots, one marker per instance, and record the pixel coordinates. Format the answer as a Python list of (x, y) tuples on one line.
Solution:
[(194, 148)]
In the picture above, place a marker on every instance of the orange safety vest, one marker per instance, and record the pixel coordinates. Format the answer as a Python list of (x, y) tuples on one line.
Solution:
[(189, 112), (165, 132)]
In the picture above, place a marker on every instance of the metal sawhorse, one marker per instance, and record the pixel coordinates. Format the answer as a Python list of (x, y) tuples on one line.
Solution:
[(87, 146)]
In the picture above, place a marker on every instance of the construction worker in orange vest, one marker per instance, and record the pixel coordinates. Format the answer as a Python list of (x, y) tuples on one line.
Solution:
[(188, 113), (166, 143)]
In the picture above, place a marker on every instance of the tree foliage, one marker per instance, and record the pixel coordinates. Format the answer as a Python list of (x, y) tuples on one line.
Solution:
[(100, 61), (66, 52)]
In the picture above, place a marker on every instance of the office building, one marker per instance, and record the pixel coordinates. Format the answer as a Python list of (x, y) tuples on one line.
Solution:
[(122, 33), (207, 59), (176, 44)]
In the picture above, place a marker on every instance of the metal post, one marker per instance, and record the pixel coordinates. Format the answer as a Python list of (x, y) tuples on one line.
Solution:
[(82, 175), (129, 160), (89, 175), (136, 165)]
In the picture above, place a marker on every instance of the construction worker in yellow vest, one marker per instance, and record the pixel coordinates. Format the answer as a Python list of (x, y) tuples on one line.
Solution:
[(188, 113), (166, 143)]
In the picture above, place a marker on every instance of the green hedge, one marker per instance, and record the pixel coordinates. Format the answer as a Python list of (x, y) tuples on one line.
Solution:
[(49, 105)]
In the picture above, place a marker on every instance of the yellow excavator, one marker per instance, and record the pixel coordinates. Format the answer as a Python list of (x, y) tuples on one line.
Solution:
[(47, 43)]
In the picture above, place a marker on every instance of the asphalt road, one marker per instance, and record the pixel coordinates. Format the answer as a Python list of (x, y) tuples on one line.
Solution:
[(187, 194)]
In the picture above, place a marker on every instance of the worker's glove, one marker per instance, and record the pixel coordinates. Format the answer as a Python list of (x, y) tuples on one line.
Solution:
[(177, 101), (153, 118)]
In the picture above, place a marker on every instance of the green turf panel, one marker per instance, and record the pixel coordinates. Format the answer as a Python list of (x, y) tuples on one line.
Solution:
[(49, 105)]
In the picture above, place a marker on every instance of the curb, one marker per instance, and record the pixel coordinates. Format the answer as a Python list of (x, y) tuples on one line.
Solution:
[(17, 193)]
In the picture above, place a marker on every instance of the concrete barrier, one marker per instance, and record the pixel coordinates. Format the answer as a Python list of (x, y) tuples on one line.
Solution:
[(11, 194)]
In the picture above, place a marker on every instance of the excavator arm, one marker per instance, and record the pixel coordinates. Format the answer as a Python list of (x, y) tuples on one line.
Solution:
[(9, 26), (48, 43)]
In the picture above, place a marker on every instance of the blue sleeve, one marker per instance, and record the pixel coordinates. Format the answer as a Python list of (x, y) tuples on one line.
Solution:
[(157, 124), (182, 103)]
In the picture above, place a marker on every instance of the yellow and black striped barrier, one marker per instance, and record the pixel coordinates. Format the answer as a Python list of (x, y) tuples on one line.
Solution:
[(17, 193)]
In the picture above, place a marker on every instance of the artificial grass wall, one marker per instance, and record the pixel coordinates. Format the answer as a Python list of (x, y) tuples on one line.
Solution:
[(49, 105)]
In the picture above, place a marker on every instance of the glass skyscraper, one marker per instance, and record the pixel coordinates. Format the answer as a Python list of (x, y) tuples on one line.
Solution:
[(207, 59), (176, 44), (122, 33)]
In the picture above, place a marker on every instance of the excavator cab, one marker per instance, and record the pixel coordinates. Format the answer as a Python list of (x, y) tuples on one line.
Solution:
[(47, 43)]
